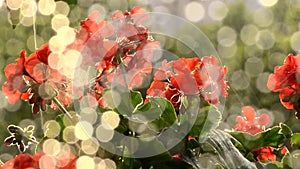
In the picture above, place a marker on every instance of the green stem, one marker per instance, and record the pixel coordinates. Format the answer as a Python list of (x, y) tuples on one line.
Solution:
[(62, 108), (34, 141)]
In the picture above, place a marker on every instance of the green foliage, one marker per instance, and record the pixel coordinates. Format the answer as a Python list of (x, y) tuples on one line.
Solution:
[(273, 137)]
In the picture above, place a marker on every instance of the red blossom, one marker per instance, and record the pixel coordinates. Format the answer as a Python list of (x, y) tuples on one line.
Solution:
[(286, 81), (34, 80), (129, 45), (65, 160), (15, 87), (250, 123), (190, 76), (264, 153)]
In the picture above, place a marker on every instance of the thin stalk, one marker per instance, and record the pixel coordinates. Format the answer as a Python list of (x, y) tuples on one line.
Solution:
[(34, 141), (62, 108)]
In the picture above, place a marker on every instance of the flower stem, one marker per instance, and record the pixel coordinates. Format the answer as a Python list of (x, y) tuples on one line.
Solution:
[(32, 140), (62, 108)]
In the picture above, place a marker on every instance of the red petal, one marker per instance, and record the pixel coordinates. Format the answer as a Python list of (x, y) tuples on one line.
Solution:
[(117, 15), (43, 52), (264, 120), (249, 112), (185, 83)]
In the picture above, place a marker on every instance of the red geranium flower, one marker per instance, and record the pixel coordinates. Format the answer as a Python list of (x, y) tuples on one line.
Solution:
[(123, 58), (34, 80), (190, 76), (250, 123), (66, 160), (264, 153), (286, 81)]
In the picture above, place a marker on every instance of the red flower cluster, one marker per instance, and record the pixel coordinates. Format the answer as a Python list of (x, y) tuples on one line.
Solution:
[(286, 81), (23, 161), (264, 153), (250, 123), (124, 58), (32, 79), (190, 76), (253, 125)]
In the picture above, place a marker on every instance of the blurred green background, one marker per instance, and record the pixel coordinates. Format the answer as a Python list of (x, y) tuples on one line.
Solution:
[(251, 37)]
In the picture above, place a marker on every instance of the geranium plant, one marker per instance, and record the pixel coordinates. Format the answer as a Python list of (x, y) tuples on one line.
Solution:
[(121, 105)]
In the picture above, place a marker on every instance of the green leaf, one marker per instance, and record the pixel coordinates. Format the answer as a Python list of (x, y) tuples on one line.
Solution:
[(285, 130), (295, 140), (136, 98), (161, 113), (272, 137), (123, 101)]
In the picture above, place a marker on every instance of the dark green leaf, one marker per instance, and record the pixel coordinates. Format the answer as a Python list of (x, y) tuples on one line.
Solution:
[(161, 114), (123, 101), (272, 137), (285, 130), (136, 98)]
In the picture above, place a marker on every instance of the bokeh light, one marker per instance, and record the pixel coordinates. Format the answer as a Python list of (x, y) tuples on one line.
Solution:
[(51, 147), (69, 135), (14, 4), (263, 18), (194, 11), (83, 130), (51, 129), (107, 164), (217, 10), (59, 21), (62, 8), (57, 44), (88, 114), (28, 8), (47, 162), (267, 3), (226, 36), (227, 51), (248, 34), (90, 146), (295, 41), (72, 59), (84, 162), (66, 33), (104, 134), (46, 7), (265, 39), (110, 119)]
